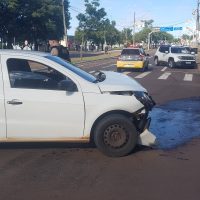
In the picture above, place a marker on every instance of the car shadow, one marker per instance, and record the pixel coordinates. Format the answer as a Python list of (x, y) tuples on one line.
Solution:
[(45, 145)]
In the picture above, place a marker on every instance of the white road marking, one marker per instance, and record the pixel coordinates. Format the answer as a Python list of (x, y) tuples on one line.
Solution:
[(143, 75), (126, 73), (150, 64), (165, 75), (164, 69), (188, 77), (91, 72)]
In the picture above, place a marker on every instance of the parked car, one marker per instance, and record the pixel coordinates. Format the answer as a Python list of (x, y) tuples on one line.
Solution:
[(133, 58), (44, 98), (174, 56)]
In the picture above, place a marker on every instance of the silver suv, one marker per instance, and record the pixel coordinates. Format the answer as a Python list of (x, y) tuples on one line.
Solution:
[(175, 56)]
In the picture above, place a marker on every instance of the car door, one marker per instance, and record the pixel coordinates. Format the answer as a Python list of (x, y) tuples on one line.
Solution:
[(35, 107), (165, 55), (2, 108)]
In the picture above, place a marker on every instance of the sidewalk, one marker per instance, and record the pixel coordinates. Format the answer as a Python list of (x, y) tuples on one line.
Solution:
[(198, 61)]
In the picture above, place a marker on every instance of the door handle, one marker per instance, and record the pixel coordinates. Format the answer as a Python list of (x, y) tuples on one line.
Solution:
[(14, 102)]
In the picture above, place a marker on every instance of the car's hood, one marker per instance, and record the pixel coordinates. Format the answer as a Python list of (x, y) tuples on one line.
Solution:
[(119, 82)]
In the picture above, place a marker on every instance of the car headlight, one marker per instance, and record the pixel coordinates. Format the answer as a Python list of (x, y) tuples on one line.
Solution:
[(145, 99), (180, 57)]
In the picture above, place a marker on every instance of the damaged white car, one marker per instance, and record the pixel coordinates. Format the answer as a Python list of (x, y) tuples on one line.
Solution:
[(44, 98)]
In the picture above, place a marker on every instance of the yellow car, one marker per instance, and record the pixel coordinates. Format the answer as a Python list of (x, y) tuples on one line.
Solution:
[(133, 58)]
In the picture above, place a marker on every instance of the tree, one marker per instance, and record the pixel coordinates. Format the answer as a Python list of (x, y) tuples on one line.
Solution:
[(32, 19), (186, 37), (92, 23), (162, 36), (126, 36), (142, 35), (148, 23)]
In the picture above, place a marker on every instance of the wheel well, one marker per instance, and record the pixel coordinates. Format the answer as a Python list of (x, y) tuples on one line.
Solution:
[(124, 113), (170, 58)]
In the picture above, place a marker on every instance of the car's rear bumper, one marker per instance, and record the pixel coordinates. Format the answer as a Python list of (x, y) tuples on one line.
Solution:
[(130, 64)]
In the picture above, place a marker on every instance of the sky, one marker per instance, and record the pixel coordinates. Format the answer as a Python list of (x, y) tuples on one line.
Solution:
[(165, 13)]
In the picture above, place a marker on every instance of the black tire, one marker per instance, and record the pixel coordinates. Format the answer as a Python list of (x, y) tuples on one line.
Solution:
[(156, 61), (115, 135), (143, 69), (119, 69), (171, 63)]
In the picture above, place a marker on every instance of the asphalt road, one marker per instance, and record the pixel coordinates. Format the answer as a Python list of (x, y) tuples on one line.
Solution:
[(79, 171)]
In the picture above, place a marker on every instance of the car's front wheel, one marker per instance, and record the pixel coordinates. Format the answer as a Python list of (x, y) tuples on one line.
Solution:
[(171, 63), (115, 135)]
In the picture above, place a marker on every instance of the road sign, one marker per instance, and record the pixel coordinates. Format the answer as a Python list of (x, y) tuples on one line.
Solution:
[(165, 29), (178, 28), (156, 29)]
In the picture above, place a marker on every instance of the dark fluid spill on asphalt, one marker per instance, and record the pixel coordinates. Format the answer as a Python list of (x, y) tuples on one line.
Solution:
[(176, 123)]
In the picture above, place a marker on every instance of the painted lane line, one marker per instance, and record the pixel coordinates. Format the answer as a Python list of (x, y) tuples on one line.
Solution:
[(165, 76), (188, 77), (164, 69), (126, 73), (91, 72), (143, 75)]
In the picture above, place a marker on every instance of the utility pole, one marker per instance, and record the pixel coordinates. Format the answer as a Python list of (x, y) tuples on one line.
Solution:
[(197, 23), (64, 24), (134, 30)]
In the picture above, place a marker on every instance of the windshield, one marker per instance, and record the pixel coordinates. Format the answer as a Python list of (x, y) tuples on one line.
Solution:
[(130, 52), (73, 68), (179, 50)]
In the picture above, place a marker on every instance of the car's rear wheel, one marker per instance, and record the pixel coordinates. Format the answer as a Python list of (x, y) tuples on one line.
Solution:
[(171, 63), (115, 135)]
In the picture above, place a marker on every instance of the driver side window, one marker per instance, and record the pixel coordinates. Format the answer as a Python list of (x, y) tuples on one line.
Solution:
[(33, 75)]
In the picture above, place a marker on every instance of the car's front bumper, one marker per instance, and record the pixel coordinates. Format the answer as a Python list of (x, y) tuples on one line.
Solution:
[(141, 117), (189, 63)]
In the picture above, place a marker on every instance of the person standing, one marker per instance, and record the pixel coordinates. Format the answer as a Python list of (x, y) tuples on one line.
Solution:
[(58, 50), (26, 46)]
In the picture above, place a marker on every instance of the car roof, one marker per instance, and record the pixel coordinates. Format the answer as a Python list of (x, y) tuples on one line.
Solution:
[(132, 48), (23, 52)]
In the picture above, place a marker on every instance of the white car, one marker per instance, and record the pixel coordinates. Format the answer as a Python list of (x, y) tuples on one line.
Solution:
[(174, 56), (44, 98)]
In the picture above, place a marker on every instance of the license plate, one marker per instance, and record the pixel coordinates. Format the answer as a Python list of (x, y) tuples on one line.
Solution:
[(129, 65), (188, 63)]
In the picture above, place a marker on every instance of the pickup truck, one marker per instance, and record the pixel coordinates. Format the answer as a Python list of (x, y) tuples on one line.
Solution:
[(44, 98)]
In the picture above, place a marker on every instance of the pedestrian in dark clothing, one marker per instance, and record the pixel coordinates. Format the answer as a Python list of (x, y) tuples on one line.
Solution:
[(59, 50)]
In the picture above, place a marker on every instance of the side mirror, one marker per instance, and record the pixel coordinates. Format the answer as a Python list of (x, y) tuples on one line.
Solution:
[(67, 85), (166, 52)]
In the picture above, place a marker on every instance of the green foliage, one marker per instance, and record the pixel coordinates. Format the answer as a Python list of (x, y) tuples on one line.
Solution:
[(148, 23), (92, 22), (186, 37), (126, 36), (94, 26), (142, 35), (162, 36), (32, 19)]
